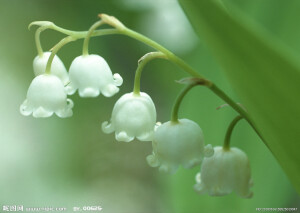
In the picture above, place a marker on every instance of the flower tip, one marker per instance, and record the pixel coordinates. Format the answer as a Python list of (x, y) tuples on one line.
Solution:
[(111, 20), (102, 15), (198, 187), (157, 125), (118, 80), (208, 151), (24, 110), (107, 128), (170, 169), (198, 177), (152, 160), (70, 89), (40, 23), (67, 111), (32, 23)]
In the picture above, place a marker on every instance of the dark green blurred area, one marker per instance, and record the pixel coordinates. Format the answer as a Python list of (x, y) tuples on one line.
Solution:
[(70, 162)]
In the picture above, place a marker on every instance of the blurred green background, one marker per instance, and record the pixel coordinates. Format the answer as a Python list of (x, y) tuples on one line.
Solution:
[(70, 162)]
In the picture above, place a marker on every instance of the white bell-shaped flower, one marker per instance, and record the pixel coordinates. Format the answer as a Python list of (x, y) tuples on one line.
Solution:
[(90, 74), (57, 67), (46, 95), (178, 143), (224, 172), (133, 115)]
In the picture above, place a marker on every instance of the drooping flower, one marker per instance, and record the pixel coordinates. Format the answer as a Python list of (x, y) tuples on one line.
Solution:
[(46, 95), (57, 67), (133, 115), (178, 143), (224, 172), (90, 74)]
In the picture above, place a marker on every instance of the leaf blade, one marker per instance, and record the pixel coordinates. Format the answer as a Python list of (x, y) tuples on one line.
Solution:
[(264, 73)]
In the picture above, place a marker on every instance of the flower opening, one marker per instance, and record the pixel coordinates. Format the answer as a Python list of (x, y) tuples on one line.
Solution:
[(224, 172), (45, 96), (90, 74), (178, 143), (133, 116)]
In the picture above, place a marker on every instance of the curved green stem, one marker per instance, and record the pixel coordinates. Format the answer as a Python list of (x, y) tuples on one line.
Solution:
[(141, 64), (231, 126), (174, 113), (175, 59), (191, 83), (38, 40), (85, 49), (55, 49), (83, 34)]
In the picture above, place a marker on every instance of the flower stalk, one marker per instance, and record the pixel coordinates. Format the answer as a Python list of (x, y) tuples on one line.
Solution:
[(169, 55), (231, 126), (38, 41), (141, 64), (55, 49), (191, 83), (85, 49)]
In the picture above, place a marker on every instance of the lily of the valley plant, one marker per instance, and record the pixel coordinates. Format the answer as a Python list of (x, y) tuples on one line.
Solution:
[(178, 142)]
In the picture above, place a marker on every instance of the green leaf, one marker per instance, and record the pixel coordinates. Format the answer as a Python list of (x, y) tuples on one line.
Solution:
[(264, 73)]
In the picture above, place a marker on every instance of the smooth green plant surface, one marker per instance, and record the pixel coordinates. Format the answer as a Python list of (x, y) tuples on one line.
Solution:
[(264, 73), (71, 162)]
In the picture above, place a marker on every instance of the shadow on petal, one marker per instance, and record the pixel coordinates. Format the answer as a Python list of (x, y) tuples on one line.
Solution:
[(147, 136), (191, 163), (67, 111), (110, 90), (123, 136), (40, 112), (89, 92), (70, 88)]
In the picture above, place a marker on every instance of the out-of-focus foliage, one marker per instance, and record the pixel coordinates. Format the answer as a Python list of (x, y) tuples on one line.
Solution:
[(264, 73), (70, 162)]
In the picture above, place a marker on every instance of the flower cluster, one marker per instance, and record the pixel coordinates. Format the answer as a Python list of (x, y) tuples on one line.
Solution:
[(175, 143), (47, 93)]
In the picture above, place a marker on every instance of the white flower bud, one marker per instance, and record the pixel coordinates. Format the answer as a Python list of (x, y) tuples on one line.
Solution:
[(90, 74), (133, 116), (45, 96), (57, 67), (224, 172), (178, 143)]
